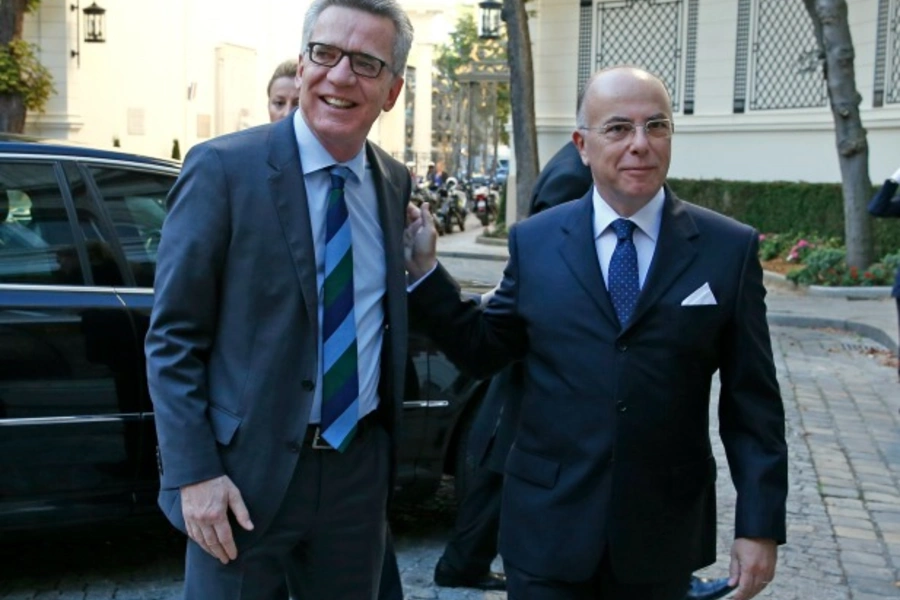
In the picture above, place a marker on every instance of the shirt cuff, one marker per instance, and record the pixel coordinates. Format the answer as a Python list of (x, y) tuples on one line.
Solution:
[(411, 287)]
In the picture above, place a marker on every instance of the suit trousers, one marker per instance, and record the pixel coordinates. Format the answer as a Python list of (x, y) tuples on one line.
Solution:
[(327, 539), (473, 546), (602, 586)]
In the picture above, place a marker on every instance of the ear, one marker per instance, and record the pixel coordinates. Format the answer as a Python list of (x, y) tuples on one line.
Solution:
[(393, 93), (578, 140)]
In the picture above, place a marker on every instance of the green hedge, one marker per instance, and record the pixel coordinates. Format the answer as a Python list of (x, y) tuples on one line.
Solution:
[(784, 207)]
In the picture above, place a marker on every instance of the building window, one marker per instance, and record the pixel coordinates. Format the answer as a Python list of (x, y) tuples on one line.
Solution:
[(887, 54), (784, 67), (653, 34)]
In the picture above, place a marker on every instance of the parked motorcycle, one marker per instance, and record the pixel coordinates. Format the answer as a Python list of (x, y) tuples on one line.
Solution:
[(487, 200), (453, 205)]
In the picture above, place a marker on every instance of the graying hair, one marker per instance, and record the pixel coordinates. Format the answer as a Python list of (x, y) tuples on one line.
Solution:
[(390, 9)]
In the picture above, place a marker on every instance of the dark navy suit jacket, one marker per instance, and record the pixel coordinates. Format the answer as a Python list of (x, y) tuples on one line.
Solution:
[(612, 452)]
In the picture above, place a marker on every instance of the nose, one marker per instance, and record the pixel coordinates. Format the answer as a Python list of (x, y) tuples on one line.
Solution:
[(639, 140), (342, 70)]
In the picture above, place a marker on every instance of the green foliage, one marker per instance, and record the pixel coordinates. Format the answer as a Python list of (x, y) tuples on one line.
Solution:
[(32, 5), (464, 46), (784, 207), (772, 245), (22, 74)]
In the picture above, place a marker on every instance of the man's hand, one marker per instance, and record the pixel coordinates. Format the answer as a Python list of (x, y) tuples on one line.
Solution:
[(419, 241), (205, 506), (752, 566)]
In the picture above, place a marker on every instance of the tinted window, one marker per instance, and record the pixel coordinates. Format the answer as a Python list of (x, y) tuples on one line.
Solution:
[(135, 201), (36, 241)]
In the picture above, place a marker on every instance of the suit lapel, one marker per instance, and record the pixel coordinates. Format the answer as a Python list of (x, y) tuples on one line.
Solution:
[(675, 250), (288, 192), (389, 207), (578, 243)]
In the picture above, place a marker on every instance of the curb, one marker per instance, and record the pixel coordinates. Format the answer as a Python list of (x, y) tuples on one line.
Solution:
[(858, 293), (473, 255), (868, 331)]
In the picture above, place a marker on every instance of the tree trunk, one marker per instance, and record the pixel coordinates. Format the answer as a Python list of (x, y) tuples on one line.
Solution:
[(521, 81), (832, 29), (12, 113), (12, 106)]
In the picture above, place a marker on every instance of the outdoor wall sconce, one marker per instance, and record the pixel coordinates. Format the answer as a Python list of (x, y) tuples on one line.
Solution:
[(490, 19), (94, 26)]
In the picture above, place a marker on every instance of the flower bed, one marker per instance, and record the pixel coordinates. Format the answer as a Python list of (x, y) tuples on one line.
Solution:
[(811, 260)]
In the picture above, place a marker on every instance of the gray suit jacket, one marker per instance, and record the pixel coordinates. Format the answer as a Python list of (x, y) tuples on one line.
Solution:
[(233, 340)]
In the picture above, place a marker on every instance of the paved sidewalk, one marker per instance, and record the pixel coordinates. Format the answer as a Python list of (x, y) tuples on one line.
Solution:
[(873, 317)]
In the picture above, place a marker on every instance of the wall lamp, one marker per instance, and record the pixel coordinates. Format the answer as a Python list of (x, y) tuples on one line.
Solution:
[(94, 27)]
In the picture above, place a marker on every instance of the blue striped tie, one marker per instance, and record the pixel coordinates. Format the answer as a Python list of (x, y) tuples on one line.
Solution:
[(340, 379), (624, 284)]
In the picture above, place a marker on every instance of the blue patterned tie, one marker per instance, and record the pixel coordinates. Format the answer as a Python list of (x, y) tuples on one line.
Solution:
[(624, 285), (340, 378)]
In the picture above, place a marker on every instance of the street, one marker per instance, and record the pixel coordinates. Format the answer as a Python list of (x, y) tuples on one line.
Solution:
[(841, 401)]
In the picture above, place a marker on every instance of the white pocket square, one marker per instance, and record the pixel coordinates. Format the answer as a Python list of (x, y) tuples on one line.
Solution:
[(702, 296)]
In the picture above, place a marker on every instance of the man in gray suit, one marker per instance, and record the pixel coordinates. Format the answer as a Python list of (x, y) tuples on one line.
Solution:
[(277, 343)]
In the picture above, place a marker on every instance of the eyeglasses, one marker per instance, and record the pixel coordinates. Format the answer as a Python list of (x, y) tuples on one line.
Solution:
[(362, 64), (621, 130)]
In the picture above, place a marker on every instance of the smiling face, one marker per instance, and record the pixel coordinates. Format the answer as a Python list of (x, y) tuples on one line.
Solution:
[(338, 105), (283, 98), (628, 172)]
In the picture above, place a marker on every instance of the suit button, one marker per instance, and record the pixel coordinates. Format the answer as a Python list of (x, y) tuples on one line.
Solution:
[(293, 447), (621, 406), (621, 346), (308, 385)]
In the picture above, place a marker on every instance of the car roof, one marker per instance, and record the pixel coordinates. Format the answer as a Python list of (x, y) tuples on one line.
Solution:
[(22, 144)]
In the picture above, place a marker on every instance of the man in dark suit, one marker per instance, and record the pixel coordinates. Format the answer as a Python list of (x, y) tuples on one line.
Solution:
[(622, 305), (472, 548), (886, 203), (277, 344)]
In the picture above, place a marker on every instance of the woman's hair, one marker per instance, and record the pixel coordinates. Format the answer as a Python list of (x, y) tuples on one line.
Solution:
[(286, 69)]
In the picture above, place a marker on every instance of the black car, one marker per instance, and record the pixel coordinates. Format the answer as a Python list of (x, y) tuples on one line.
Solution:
[(79, 230)]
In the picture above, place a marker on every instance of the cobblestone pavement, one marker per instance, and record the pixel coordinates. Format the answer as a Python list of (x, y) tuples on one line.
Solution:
[(841, 399)]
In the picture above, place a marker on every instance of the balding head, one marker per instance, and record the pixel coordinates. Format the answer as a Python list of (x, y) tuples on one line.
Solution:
[(606, 83)]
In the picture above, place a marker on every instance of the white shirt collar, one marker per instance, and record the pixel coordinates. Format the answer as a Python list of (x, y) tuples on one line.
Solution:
[(314, 156), (648, 219)]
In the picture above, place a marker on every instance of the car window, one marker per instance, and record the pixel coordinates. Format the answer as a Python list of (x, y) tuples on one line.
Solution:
[(36, 240), (135, 201)]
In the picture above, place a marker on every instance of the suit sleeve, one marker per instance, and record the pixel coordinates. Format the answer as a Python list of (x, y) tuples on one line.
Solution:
[(191, 257), (479, 341), (751, 413), (886, 203)]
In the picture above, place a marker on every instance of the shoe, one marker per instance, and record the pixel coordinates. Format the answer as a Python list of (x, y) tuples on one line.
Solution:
[(707, 589), (446, 576)]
